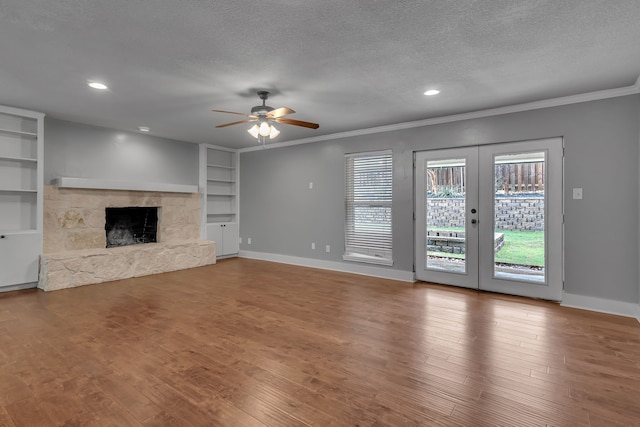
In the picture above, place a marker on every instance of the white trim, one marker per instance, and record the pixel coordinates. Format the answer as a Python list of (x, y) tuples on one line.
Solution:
[(219, 147), (368, 259), (18, 287), (108, 184), (20, 112), (385, 273), (638, 314), (536, 105), (602, 305)]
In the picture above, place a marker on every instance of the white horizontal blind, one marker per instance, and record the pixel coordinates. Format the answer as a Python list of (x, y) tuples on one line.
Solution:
[(368, 198)]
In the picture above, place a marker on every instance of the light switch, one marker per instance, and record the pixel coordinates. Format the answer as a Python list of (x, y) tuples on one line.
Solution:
[(311, 186), (577, 193)]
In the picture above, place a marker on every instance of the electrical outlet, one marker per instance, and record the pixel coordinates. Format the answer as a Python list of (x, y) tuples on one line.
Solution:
[(327, 249), (577, 193), (249, 241), (240, 240), (313, 245)]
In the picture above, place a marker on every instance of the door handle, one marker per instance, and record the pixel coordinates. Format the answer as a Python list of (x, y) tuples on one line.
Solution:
[(473, 210), (474, 221)]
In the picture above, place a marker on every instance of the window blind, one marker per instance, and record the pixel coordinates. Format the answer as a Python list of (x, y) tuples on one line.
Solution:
[(368, 199)]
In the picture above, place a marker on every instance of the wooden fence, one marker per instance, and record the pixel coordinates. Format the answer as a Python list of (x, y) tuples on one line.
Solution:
[(510, 178)]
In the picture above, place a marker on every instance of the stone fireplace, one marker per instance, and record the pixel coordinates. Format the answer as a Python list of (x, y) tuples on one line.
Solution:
[(76, 227)]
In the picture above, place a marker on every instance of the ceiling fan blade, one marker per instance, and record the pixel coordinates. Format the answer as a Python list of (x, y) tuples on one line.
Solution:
[(236, 123), (233, 112), (279, 112), (297, 123)]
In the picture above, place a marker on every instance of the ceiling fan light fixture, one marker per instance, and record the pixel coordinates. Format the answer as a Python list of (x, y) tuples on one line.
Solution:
[(264, 129), (274, 132), (254, 131)]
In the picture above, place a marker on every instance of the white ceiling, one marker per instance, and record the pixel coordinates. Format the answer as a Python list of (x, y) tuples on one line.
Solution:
[(346, 65)]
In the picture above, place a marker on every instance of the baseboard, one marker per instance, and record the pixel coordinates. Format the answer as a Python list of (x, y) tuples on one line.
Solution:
[(366, 270), (19, 287), (602, 305)]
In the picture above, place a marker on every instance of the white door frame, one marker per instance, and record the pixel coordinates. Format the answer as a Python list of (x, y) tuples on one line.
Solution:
[(484, 278)]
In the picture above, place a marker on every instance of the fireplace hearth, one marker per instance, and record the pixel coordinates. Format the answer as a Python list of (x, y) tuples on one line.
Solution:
[(131, 226)]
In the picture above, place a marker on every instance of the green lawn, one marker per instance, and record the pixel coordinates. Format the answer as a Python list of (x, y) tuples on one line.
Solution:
[(520, 247)]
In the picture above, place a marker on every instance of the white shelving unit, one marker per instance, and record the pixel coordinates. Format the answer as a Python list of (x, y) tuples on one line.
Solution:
[(219, 188), (21, 142)]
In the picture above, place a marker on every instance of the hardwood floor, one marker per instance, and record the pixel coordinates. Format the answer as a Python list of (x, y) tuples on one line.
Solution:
[(252, 343)]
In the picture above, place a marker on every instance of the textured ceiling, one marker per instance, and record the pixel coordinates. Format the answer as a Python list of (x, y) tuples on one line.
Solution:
[(346, 65)]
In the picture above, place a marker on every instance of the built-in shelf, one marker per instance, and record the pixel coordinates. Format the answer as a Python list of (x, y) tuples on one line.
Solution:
[(220, 166), (19, 133), (228, 181), (107, 184), (21, 171), (219, 184), (17, 190), (19, 159)]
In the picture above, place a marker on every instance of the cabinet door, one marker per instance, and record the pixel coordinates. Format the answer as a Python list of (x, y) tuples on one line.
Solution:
[(19, 256), (226, 237), (214, 232), (230, 238)]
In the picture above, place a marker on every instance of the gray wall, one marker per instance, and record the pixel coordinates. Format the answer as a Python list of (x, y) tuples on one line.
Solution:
[(84, 151), (282, 215)]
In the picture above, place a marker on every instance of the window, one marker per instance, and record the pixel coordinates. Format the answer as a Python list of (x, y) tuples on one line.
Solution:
[(368, 236)]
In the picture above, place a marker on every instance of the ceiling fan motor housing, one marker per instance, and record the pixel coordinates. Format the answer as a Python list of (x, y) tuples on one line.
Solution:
[(262, 110)]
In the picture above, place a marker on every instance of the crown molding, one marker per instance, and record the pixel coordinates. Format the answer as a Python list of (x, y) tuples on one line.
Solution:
[(547, 103)]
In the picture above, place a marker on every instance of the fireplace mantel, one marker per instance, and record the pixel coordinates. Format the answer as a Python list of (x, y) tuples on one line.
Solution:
[(109, 184)]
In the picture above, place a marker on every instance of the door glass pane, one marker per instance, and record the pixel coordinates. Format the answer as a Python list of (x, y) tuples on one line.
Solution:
[(519, 220), (445, 219)]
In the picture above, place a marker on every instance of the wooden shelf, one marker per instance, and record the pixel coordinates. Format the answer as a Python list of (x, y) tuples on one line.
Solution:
[(19, 133), (19, 159), (221, 166), (17, 190), (228, 181)]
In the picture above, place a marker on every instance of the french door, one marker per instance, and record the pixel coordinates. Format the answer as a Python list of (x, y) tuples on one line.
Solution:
[(490, 217)]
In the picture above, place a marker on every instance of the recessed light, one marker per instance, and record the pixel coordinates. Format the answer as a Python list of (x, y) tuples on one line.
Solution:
[(143, 129), (432, 92), (98, 85)]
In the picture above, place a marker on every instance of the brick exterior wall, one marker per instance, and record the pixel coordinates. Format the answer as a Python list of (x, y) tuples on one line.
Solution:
[(512, 213)]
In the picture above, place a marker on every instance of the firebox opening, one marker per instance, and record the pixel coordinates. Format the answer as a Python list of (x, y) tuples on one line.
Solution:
[(131, 226)]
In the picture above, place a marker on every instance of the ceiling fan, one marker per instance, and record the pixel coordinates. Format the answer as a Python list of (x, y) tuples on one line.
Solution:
[(264, 116)]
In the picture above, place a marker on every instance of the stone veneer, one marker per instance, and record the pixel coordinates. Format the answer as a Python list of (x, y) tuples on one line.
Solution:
[(74, 246)]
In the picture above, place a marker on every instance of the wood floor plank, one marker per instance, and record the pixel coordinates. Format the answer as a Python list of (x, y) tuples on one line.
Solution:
[(254, 343)]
